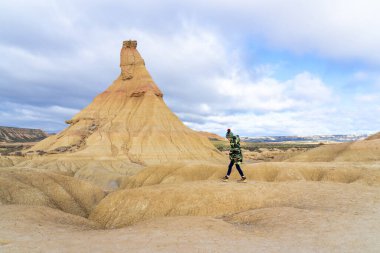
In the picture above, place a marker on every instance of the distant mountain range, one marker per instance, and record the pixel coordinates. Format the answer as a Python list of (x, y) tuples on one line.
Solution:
[(308, 139), (15, 134)]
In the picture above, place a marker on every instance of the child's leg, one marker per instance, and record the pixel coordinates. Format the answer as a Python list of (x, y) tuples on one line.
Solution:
[(230, 168), (239, 170)]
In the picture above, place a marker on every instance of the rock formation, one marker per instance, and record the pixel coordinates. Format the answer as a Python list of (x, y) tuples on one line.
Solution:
[(130, 121)]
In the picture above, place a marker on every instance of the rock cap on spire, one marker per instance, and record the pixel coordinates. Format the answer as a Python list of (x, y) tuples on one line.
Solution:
[(130, 44)]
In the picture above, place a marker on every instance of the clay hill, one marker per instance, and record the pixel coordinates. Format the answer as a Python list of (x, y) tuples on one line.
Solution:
[(15, 134), (367, 150), (130, 121), (374, 137)]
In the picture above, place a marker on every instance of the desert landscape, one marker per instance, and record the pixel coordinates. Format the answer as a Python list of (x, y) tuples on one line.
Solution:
[(127, 175)]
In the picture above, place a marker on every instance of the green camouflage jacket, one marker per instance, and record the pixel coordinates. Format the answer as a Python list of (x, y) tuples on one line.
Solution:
[(235, 151)]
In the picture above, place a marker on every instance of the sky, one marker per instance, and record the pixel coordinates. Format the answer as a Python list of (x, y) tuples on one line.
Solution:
[(259, 67)]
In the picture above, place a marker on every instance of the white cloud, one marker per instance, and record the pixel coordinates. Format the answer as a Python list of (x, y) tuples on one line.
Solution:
[(197, 65), (268, 94), (335, 29), (22, 64), (310, 88), (49, 118), (204, 108), (308, 122), (59, 55)]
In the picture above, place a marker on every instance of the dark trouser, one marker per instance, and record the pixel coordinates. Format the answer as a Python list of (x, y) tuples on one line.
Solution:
[(237, 167)]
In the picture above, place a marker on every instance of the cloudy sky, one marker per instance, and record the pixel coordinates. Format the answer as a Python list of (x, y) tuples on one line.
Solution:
[(260, 67)]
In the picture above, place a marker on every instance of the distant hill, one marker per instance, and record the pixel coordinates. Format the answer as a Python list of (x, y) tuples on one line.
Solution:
[(14, 134)]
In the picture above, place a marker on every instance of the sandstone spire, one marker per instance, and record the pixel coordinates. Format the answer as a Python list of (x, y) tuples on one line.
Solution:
[(130, 120)]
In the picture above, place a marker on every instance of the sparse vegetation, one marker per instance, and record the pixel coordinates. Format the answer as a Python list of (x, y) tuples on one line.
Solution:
[(256, 146), (267, 151)]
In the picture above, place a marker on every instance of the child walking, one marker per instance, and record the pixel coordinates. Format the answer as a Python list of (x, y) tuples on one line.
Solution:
[(235, 155)]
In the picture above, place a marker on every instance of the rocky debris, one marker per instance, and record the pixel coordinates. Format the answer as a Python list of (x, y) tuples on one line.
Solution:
[(62, 149), (145, 88), (14, 149)]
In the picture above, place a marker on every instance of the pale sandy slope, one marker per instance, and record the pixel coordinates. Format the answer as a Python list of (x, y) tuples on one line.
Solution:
[(360, 151), (295, 217)]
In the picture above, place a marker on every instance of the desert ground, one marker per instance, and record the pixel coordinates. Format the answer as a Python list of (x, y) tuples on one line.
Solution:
[(285, 206)]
